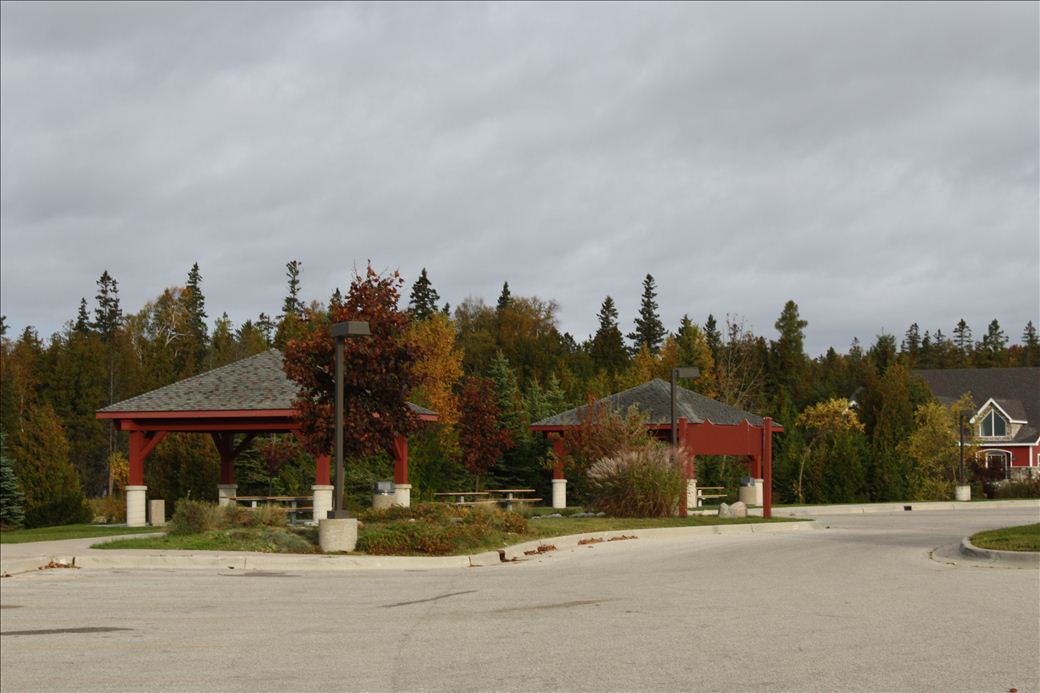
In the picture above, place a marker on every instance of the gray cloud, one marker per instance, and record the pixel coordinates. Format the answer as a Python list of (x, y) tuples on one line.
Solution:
[(877, 163)]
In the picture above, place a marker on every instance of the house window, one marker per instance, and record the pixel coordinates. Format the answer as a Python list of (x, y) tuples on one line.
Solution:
[(993, 425)]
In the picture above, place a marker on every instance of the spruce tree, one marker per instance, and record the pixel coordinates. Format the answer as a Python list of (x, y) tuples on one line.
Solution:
[(962, 339), (649, 328), (1030, 355), (82, 324), (12, 501), (505, 299), (607, 348), (292, 304), (197, 334), (49, 481), (422, 302), (712, 336), (108, 316), (911, 346), (992, 350)]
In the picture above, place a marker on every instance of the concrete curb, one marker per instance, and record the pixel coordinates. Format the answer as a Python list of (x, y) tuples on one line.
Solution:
[(820, 510), (1021, 559), (651, 534), (104, 559)]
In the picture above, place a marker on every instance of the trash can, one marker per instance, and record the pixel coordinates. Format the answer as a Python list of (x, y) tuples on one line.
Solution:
[(750, 492), (383, 494)]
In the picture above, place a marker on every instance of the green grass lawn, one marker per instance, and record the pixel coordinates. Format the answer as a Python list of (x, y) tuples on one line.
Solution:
[(260, 539), (1023, 538), (22, 536)]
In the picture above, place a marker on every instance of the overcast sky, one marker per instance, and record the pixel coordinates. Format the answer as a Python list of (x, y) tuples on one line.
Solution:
[(876, 163)]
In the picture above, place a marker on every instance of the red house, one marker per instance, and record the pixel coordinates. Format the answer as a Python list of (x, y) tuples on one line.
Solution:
[(1007, 421)]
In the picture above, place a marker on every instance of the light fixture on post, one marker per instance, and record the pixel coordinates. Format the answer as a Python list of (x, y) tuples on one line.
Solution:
[(687, 372), (340, 331)]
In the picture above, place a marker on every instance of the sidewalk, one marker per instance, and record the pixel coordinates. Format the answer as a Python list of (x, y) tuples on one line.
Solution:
[(823, 510)]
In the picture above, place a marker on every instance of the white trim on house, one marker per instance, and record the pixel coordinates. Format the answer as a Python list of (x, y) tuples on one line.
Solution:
[(996, 405)]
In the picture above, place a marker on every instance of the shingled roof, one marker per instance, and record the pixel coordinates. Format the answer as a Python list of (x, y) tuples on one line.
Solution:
[(251, 384), (1015, 390), (654, 400)]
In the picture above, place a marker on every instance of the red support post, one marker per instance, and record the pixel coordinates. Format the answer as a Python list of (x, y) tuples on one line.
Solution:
[(225, 443), (141, 445), (321, 470), (559, 451), (767, 465), (400, 460)]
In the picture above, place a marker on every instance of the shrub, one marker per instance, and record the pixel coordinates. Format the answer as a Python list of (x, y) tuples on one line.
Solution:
[(271, 516), (235, 515), (69, 509), (195, 517), (1026, 488), (644, 482), (437, 530), (435, 512), (108, 509)]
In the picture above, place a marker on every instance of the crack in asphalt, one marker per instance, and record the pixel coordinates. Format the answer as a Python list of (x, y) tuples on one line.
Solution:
[(431, 599)]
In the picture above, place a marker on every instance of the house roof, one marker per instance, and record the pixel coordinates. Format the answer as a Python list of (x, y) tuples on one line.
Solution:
[(654, 400), (256, 383), (1015, 390)]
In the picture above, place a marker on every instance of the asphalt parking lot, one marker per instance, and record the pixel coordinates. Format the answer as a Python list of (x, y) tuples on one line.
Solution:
[(864, 603)]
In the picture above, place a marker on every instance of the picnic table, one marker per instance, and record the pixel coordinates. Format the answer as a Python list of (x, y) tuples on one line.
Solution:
[(701, 495), (290, 503), (474, 497), (508, 496)]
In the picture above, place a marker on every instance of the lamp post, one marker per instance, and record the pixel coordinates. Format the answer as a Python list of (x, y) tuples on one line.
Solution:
[(340, 331), (961, 416), (688, 372)]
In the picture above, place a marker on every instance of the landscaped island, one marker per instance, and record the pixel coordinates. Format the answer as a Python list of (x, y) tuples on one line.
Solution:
[(425, 529)]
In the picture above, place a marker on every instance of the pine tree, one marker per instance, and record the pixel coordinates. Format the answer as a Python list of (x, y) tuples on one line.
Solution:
[(197, 333), (1030, 346), (422, 302), (224, 348), (507, 390), (607, 348), (292, 305), (48, 479), (291, 321), (649, 328), (505, 299), (82, 324), (993, 349), (694, 351), (712, 336), (788, 363), (962, 339), (911, 346), (108, 316), (12, 500)]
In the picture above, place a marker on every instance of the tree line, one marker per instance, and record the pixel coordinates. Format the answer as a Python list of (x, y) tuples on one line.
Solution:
[(506, 362)]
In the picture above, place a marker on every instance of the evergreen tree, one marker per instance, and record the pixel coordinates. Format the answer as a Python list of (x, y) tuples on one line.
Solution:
[(693, 350), (12, 500), (108, 316), (505, 299), (82, 318), (607, 348), (992, 352), (911, 346), (196, 333), (649, 328), (1030, 355), (962, 339), (224, 347), (292, 305), (883, 353), (422, 302), (265, 326), (788, 364), (48, 479), (712, 336)]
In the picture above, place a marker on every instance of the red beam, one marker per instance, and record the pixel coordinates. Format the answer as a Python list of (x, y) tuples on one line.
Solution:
[(209, 414)]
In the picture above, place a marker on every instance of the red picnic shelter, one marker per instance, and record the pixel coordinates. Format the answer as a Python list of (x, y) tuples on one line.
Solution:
[(233, 404)]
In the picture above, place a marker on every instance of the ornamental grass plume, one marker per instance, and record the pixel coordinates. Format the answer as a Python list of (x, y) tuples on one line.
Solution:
[(642, 482)]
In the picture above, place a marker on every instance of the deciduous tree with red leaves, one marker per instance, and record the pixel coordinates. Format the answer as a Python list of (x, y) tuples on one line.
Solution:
[(377, 375), (481, 439)]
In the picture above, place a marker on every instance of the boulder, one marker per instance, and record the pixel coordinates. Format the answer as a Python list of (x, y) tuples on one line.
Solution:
[(738, 509), (724, 510)]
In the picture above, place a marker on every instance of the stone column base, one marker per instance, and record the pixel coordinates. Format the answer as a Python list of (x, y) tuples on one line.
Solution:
[(559, 491), (963, 492), (322, 502), (403, 495), (136, 512), (225, 493), (691, 494), (337, 535)]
